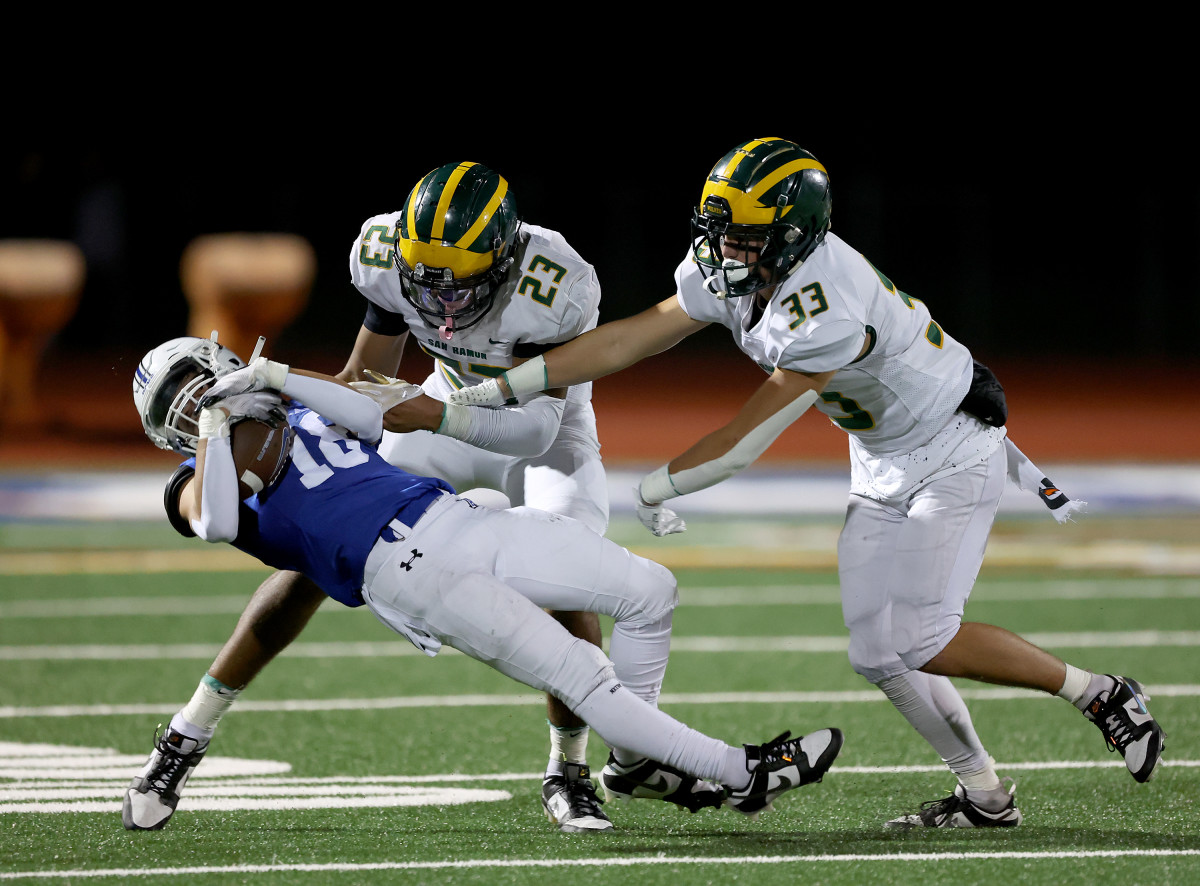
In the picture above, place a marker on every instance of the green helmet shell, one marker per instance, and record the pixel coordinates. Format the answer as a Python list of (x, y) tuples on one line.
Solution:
[(455, 241), (770, 192)]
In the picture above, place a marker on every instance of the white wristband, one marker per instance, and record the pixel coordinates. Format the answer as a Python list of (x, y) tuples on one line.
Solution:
[(273, 375), (456, 421), (528, 378), (657, 487)]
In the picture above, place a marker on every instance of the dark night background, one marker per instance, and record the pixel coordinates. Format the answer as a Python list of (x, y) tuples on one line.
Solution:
[(1030, 234)]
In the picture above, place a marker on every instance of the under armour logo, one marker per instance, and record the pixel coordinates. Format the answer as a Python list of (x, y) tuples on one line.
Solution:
[(407, 564)]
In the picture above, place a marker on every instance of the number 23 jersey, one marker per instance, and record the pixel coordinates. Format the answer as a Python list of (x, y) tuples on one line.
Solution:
[(551, 295)]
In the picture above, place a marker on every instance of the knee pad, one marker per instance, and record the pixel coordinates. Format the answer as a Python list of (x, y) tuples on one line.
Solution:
[(660, 590), (871, 656)]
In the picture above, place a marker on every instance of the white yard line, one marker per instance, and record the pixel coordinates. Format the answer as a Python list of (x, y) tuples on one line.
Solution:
[(601, 862), (398, 647), (798, 594), (246, 705)]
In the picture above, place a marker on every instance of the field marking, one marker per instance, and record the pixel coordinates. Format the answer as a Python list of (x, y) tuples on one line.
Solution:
[(310, 705), (53, 787), (399, 647), (1154, 558), (606, 861), (799, 594)]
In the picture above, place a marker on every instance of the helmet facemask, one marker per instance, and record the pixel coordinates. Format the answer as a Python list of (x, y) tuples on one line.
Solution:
[(169, 383), (447, 303), (769, 246)]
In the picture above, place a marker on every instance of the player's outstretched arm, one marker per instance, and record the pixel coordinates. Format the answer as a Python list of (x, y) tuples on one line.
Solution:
[(602, 351), (777, 403)]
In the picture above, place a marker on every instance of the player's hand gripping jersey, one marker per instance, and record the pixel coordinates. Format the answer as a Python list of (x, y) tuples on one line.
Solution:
[(551, 295), (896, 398), (325, 511)]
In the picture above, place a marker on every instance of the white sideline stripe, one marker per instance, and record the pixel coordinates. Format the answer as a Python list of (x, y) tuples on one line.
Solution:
[(214, 786), (453, 701), (399, 647), (608, 861), (799, 594)]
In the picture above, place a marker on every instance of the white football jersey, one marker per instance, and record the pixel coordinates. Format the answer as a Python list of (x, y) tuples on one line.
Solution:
[(891, 401), (551, 296)]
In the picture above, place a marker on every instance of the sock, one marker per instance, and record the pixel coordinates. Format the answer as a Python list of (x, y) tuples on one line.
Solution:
[(1080, 686), (934, 707), (202, 714), (568, 744), (737, 769), (984, 789), (627, 721)]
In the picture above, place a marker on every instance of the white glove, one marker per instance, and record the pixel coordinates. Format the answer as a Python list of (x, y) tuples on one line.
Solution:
[(260, 375), (385, 390), (216, 420), (486, 393), (657, 518)]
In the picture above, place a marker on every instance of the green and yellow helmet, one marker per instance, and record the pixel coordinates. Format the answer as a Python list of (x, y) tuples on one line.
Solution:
[(770, 196), (455, 244)]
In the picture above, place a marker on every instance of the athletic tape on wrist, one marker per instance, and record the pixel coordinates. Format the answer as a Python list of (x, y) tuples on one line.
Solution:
[(657, 487), (213, 422), (456, 421), (528, 378)]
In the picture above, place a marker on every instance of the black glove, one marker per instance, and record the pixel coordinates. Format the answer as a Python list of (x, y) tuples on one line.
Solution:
[(985, 399)]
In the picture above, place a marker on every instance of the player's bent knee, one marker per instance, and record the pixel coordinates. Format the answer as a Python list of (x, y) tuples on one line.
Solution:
[(871, 660), (655, 589)]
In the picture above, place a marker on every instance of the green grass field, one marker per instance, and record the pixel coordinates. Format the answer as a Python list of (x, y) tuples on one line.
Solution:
[(355, 760)]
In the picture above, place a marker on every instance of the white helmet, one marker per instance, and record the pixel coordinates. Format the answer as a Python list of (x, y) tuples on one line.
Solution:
[(166, 394)]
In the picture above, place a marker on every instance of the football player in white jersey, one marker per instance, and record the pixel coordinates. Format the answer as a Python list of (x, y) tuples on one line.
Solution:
[(928, 454), (456, 271)]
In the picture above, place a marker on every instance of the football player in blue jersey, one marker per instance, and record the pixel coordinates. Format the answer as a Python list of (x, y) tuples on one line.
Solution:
[(457, 273), (429, 564)]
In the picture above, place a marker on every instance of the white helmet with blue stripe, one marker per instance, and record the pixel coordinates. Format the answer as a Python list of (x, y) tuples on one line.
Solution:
[(168, 384)]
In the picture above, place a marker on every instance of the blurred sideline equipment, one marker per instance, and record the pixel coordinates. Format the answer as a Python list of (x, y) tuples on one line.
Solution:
[(246, 285), (40, 285)]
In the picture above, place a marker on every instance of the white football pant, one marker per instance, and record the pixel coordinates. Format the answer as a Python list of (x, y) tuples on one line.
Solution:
[(479, 580), (907, 568)]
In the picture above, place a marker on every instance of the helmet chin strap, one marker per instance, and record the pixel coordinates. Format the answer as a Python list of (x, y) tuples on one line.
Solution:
[(711, 285)]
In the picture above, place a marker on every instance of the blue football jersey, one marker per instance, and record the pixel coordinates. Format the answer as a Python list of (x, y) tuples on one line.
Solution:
[(325, 512)]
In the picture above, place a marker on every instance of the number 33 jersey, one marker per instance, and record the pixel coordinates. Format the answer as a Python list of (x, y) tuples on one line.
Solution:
[(551, 295), (899, 376)]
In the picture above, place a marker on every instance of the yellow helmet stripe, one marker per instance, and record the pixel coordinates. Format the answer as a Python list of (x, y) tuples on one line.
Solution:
[(439, 219), (412, 206), (779, 174), (485, 217), (743, 152)]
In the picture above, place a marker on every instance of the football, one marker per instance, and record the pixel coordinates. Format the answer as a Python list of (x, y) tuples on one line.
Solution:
[(260, 452)]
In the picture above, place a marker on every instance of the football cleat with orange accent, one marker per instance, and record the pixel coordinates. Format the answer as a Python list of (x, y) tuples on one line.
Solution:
[(1129, 727), (781, 765)]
